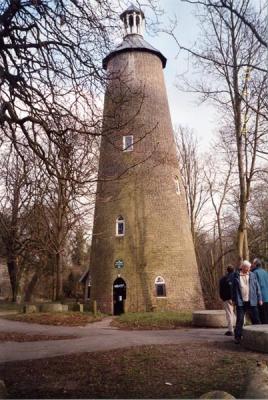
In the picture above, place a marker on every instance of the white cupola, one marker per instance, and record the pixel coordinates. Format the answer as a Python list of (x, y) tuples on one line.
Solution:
[(133, 19)]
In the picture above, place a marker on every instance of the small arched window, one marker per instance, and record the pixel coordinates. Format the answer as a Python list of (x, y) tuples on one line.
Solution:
[(120, 226), (160, 287)]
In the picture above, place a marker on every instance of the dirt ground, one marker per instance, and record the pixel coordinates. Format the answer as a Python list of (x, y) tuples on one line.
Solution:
[(23, 337), (166, 371)]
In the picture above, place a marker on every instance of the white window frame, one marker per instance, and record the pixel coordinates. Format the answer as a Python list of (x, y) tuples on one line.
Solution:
[(125, 146), (160, 281), (120, 220)]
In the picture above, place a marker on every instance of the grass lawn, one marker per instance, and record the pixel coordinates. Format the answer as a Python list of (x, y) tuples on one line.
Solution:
[(60, 319), (170, 371), (154, 320)]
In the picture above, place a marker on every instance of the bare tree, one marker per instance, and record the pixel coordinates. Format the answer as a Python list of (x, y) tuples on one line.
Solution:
[(192, 175), (39, 209), (63, 199), (50, 63), (241, 11), (16, 191), (228, 47), (218, 176)]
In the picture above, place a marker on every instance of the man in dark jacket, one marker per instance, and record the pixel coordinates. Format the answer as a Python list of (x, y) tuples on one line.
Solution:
[(226, 283), (262, 277), (246, 296)]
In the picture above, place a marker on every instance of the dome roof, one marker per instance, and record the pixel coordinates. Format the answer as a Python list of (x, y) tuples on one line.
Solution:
[(133, 42)]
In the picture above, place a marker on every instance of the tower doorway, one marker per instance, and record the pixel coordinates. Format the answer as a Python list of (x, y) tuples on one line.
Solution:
[(119, 295)]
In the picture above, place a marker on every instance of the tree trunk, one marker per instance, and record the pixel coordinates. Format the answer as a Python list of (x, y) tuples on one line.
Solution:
[(54, 279), (246, 249), (12, 270), (59, 268), (222, 266), (242, 230), (30, 287)]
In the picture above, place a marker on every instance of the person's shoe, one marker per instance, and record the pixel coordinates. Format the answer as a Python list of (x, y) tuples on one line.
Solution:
[(229, 333), (237, 340)]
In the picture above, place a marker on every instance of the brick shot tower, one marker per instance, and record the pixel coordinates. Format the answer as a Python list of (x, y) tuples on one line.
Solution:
[(142, 254)]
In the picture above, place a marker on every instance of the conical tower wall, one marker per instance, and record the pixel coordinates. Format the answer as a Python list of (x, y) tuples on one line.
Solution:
[(143, 186)]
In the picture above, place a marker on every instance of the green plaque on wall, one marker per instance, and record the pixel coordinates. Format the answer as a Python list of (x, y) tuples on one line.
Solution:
[(119, 264)]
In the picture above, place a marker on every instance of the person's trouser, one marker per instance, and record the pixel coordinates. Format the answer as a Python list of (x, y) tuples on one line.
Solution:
[(230, 317), (240, 314), (263, 311)]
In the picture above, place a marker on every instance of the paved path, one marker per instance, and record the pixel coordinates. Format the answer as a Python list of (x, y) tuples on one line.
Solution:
[(97, 336)]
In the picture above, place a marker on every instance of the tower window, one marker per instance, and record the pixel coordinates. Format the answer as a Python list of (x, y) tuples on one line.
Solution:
[(177, 185), (128, 143), (120, 226), (160, 287), (131, 21)]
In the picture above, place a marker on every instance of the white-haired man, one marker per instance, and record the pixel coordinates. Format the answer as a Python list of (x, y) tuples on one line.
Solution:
[(246, 296)]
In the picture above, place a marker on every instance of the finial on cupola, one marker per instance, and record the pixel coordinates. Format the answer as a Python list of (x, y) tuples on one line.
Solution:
[(133, 19)]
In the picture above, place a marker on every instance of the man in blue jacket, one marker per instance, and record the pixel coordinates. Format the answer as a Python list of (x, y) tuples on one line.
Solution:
[(262, 277), (246, 296)]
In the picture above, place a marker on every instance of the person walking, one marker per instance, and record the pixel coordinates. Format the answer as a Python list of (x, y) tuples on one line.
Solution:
[(225, 285), (262, 277), (246, 296)]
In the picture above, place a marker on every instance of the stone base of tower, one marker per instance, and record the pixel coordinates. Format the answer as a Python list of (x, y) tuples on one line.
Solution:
[(160, 305)]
